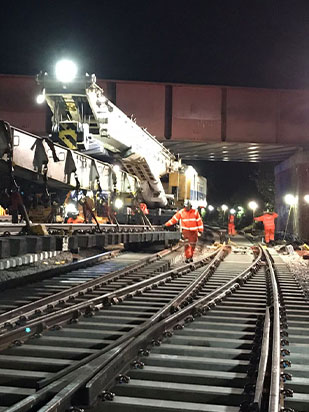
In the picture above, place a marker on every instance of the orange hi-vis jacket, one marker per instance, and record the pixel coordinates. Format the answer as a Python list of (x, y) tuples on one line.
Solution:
[(231, 219), (144, 208), (189, 220), (76, 220), (268, 220)]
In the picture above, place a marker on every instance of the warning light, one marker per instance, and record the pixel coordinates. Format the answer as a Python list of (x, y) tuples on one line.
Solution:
[(28, 330)]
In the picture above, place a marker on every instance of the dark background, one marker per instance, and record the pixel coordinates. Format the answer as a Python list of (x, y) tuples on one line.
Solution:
[(229, 42)]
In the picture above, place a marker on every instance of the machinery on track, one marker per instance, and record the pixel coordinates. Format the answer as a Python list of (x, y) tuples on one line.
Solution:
[(96, 161)]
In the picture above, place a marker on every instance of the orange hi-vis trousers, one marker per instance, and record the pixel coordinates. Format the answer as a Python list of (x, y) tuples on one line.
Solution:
[(191, 237), (269, 234), (231, 228)]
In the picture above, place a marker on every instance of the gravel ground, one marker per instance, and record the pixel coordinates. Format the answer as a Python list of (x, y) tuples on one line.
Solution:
[(299, 267)]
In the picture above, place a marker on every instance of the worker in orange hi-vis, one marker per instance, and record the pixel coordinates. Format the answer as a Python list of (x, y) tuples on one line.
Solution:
[(191, 225), (144, 208), (268, 219), (231, 224), (75, 218)]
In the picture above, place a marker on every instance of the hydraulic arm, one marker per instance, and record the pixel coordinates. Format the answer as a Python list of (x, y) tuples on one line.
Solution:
[(84, 119)]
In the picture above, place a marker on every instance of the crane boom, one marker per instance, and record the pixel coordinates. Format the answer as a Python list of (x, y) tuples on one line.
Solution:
[(84, 116)]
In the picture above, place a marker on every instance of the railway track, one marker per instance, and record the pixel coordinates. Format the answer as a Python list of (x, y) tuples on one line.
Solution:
[(208, 336), (41, 305), (61, 348), (58, 288), (229, 359), (205, 362), (295, 338)]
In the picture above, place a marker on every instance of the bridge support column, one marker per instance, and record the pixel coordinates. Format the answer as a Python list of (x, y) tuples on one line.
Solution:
[(292, 176)]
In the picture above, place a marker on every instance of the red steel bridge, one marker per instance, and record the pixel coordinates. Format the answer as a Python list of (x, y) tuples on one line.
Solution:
[(200, 122)]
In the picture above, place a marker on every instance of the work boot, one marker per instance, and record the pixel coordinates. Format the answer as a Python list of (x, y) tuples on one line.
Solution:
[(191, 260), (187, 260)]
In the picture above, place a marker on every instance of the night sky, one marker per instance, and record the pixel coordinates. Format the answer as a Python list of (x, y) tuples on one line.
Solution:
[(242, 43), (248, 43)]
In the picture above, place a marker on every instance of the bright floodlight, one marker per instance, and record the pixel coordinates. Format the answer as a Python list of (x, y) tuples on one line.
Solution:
[(224, 208), (232, 211), (210, 208), (253, 205), (118, 203), (40, 98), (306, 198), (290, 200), (66, 71)]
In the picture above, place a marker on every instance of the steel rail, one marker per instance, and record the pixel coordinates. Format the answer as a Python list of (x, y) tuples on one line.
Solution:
[(156, 317), (121, 359), (87, 365), (275, 382), (25, 310), (104, 369), (193, 287), (233, 284), (293, 291), (260, 382), (140, 286), (197, 283), (63, 396), (73, 312), (40, 304)]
